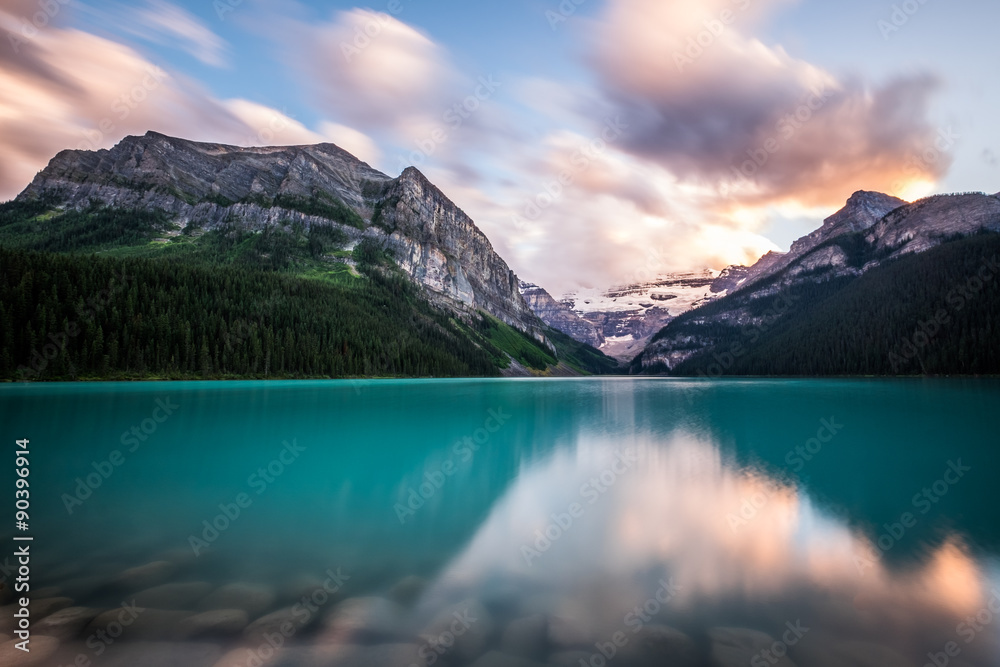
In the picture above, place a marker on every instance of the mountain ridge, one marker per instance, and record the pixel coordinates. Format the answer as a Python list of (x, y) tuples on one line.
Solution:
[(860, 238), (208, 185)]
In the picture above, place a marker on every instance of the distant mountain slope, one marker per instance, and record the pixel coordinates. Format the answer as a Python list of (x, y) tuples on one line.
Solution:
[(627, 316), (936, 312), (559, 316), (859, 263)]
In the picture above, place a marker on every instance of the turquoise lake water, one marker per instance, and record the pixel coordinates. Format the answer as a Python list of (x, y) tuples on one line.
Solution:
[(588, 521)]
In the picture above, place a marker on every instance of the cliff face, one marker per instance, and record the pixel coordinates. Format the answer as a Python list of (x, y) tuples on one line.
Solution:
[(440, 246), (209, 185), (559, 316), (869, 231)]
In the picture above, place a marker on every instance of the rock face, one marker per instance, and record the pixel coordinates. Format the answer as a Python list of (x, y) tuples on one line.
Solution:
[(202, 185), (560, 316), (861, 212), (440, 246), (730, 278), (869, 231), (926, 223)]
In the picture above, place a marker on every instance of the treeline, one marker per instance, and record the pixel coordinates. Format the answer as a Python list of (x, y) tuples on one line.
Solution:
[(78, 316), (283, 301), (935, 313)]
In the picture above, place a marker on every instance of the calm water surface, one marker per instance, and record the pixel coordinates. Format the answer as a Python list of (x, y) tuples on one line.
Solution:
[(514, 522)]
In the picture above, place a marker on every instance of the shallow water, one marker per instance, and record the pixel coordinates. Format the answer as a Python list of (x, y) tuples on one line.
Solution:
[(566, 522)]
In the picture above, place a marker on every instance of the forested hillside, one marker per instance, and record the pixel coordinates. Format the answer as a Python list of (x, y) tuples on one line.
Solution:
[(111, 294), (75, 316), (936, 312)]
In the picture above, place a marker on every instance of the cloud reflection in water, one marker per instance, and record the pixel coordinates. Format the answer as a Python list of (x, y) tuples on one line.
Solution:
[(591, 533)]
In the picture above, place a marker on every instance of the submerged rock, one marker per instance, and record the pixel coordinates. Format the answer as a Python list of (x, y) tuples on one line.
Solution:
[(363, 619), (570, 658), (173, 596), (254, 599), (326, 655), (162, 654), (215, 622), (285, 622), (139, 623), (42, 648), (242, 657), (84, 587), (567, 633), (460, 631), (48, 592), (833, 652), (144, 576), (407, 590), (66, 623), (736, 647), (655, 645), (526, 637), (43, 607), (498, 659)]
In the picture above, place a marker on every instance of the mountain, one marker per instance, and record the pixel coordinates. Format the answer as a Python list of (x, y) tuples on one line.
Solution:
[(559, 316), (627, 316), (380, 275), (861, 212), (859, 285), (205, 186)]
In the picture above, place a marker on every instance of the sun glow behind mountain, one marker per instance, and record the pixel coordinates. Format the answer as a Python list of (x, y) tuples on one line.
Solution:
[(916, 190)]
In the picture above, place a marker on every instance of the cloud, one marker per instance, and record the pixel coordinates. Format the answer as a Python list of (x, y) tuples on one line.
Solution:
[(72, 89), (714, 105), (356, 143), (162, 22), (372, 70), (271, 127), (723, 133)]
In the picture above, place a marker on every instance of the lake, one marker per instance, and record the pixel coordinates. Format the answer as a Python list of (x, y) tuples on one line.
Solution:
[(510, 522)]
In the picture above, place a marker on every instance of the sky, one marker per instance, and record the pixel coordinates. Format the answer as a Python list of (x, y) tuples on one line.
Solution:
[(595, 142)]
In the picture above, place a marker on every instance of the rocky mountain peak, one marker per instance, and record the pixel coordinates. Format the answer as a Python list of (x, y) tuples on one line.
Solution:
[(863, 209)]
